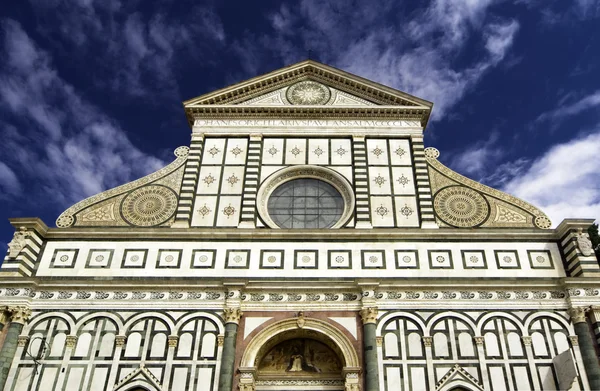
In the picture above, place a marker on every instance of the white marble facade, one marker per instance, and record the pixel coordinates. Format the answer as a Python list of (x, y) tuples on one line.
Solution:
[(467, 286)]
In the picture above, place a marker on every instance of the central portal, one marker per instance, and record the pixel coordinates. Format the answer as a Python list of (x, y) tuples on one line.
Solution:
[(301, 362), (300, 354)]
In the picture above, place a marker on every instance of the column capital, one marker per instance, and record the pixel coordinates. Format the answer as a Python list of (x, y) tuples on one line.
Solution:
[(19, 314), (369, 315), (71, 341), (526, 340), (220, 339), (574, 340), (256, 136), (173, 339), (578, 314), (232, 315), (427, 340), (22, 340), (479, 340), (120, 340), (379, 341)]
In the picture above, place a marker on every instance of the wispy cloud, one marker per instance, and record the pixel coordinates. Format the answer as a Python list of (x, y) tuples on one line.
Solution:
[(478, 159), (138, 54), (65, 147), (415, 52), (565, 181), (564, 110)]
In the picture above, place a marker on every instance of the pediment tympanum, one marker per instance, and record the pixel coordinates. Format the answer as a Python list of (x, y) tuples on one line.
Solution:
[(300, 88)]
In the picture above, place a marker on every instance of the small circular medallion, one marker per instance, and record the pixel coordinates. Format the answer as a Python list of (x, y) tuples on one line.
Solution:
[(65, 221), (308, 93), (432, 153), (149, 206), (460, 206), (542, 222)]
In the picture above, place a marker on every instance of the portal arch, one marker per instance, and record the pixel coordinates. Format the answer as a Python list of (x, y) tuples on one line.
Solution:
[(299, 327)]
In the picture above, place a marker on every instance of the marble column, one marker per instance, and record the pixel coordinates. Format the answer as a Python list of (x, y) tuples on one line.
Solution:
[(18, 317), (369, 319), (586, 346), (232, 319)]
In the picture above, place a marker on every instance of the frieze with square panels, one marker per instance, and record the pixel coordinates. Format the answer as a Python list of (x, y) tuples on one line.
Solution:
[(368, 257), (407, 259), (237, 259), (339, 259), (473, 259), (64, 258), (99, 258), (203, 259), (271, 259), (306, 259), (507, 259), (373, 259), (134, 259), (440, 259), (540, 259), (168, 259)]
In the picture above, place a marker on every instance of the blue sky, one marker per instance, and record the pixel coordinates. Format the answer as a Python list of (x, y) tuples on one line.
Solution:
[(91, 90)]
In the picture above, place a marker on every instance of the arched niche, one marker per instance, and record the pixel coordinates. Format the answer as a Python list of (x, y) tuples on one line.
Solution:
[(297, 336)]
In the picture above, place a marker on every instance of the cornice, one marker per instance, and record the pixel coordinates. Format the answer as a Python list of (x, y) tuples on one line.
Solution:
[(229, 234)]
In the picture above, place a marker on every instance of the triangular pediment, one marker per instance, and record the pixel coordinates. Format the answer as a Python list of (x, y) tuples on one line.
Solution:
[(303, 88), (139, 377)]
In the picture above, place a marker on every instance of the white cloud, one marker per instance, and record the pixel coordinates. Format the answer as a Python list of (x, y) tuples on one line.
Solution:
[(9, 183), (565, 181), (477, 159), (66, 147), (566, 110)]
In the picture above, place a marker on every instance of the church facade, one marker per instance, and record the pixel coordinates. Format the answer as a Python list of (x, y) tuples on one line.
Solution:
[(306, 239)]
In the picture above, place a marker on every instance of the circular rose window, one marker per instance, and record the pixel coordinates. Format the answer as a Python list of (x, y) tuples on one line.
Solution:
[(305, 203), (305, 197)]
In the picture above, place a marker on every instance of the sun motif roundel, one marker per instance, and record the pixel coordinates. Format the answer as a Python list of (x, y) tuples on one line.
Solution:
[(308, 93)]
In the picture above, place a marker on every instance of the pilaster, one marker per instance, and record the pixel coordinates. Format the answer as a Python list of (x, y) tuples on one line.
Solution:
[(423, 188), (369, 320), (361, 182), (191, 171), (578, 256), (530, 361), (251, 181), (18, 317), (231, 315), (586, 345)]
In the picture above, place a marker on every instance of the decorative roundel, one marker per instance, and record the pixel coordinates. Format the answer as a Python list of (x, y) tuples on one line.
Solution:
[(432, 153), (149, 206), (65, 221), (460, 206), (181, 151), (308, 93), (542, 222)]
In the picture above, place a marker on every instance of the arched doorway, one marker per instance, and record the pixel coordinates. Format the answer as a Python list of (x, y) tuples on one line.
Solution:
[(297, 353)]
